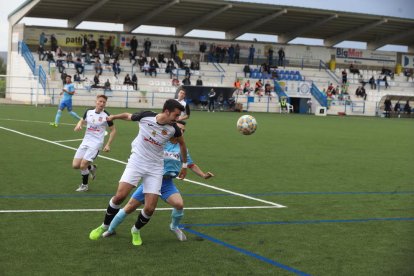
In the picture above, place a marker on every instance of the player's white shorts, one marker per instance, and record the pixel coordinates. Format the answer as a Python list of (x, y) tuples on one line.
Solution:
[(151, 174), (87, 153)]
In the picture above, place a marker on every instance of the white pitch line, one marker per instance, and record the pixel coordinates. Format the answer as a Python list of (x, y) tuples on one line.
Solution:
[(157, 209), (29, 121), (121, 162), (63, 141), (234, 193)]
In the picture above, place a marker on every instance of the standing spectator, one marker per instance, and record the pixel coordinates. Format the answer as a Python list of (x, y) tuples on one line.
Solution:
[(203, 48), (407, 108), (161, 57), (186, 80), (372, 83), (185, 114), (153, 67), (344, 76), (252, 50), (68, 91), (385, 81), (199, 81), (42, 40), (281, 53), (211, 100), (309, 103), (231, 54), (41, 52), (270, 56), (101, 44), (147, 47), (173, 49), (237, 54), (135, 81), (387, 107), (53, 43), (397, 109), (134, 45)]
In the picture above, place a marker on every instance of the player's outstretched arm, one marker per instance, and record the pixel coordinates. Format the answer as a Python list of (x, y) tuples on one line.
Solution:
[(122, 116), (196, 169), (110, 139), (183, 152), (78, 126)]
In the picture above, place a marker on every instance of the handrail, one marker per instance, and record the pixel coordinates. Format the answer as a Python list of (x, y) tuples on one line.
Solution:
[(28, 57), (328, 71), (319, 96), (280, 92)]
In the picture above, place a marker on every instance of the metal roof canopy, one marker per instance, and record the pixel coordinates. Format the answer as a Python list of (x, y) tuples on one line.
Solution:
[(233, 18)]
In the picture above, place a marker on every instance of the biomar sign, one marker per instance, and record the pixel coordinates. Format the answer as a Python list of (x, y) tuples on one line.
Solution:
[(365, 57)]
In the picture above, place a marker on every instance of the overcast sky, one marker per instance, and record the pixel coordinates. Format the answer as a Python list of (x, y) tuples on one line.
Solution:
[(398, 8)]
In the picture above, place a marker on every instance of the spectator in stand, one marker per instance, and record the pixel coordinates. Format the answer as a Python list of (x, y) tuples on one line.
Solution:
[(268, 88), (387, 72), (231, 54), (53, 43), (170, 67), (372, 83), (63, 76), (60, 66), (344, 76), (270, 56), (135, 81), (116, 67), (50, 57), (186, 80), (77, 78), (385, 81), (407, 108), (247, 88), (161, 57), (101, 44), (98, 66), (252, 50), (42, 40), (237, 84), (92, 44), (330, 88), (127, 80), (107, 86), (79, 66), (211, 100), (281, 60), (134, 45), (173, 49), (246, 70), (397, 109), (96, 81), (146, 68), (237, 54), (69, 57), (199, 81), (353, 70), (175, 82), (360, 92), (387, 107), (202, 49), (147, 47), (41, 52), (153, 66), (409, 73), (59, 52)]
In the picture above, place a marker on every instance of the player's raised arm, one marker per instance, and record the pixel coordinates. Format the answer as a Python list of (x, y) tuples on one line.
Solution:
[(123, 116)]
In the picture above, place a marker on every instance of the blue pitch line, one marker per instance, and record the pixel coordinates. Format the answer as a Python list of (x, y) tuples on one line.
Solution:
[(207, 195), (248, 253), (295, 222)]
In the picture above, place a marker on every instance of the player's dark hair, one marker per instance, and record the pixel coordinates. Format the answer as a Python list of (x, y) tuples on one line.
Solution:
[(102, 96), (171, 105)]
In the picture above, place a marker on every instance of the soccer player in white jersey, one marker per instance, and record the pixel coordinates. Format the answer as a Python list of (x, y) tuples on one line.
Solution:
[(181, 99), (68, 91), (96, 124), (146, 162), (169, 192)]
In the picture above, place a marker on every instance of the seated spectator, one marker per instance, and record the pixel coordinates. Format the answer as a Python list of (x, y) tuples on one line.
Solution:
[(237, 84), (247, 88), (161, 57), (107, 60), (372, 83), (386, 72), (107, 86), (199, 81), (330, 88), (135, 81), (96, 81), (195, 65), (59, 52), (360, 92), (353, 70), (50, 57), (268, 89), (60, 66), (127, 80), (246, 70), (397, 109), (175, 82), (69, 57), (88, 58), (145, 68), (79, 66), (259, 89), (153, 66), (170, 68), (77, 78), (407, 108)]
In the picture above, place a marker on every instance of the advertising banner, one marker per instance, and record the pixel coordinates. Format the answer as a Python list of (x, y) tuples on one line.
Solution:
[(365, 57)]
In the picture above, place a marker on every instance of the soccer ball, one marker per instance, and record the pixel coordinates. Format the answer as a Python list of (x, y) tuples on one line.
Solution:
[(246, 124)]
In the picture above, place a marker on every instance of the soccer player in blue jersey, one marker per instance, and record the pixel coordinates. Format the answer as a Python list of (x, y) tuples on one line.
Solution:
[(146, 162), (68, 91), (169, 192)]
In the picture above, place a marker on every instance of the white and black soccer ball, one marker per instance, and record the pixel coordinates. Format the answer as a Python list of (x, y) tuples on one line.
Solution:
[(246, 125)]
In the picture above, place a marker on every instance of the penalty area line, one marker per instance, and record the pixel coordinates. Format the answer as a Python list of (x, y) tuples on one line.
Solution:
[(157, 209)]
